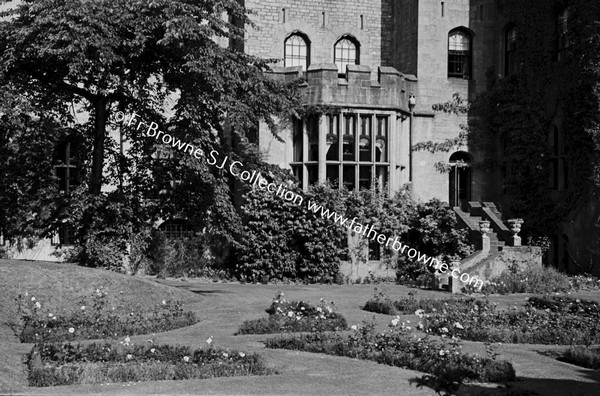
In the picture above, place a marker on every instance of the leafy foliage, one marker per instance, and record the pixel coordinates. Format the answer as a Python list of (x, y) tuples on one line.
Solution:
[(433, 230), (141, 57), (509, 124), (283, 240), (29, 197)]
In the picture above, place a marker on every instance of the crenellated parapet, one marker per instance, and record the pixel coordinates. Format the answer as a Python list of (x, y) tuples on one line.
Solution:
[(323, 85)]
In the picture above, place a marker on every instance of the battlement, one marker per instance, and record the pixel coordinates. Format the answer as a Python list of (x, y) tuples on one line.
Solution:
[(356, 89)]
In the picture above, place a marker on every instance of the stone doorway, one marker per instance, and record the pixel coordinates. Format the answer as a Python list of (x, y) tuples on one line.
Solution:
[(460, 179)]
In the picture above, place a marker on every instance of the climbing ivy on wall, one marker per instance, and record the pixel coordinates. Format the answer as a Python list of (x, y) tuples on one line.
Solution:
[(511, 121)]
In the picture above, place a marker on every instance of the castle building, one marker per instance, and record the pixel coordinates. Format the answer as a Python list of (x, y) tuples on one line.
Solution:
[(382, 65)]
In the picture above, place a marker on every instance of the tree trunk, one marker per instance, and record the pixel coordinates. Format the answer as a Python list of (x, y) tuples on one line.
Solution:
[(98, 153)]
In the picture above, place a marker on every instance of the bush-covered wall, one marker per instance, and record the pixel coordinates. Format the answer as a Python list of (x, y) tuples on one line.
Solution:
[(283, 240)]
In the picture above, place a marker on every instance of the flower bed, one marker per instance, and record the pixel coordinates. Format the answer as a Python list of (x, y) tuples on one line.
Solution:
[(565, 304), (294, 316), (535, 280), (529, 325), (397, 348), (93, 319), (382, 304), (545, 320), (67, 364)]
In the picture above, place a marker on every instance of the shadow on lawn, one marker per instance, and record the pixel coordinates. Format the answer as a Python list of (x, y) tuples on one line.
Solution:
[(207, 292), (557, 355), (522, 387)]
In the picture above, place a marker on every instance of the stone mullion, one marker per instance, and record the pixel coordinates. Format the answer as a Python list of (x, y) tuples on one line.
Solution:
[(322, 167)]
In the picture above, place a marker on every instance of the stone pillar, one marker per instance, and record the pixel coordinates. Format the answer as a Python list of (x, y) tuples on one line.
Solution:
[(484, 227), (516, 240), (456, 284), (485, 243)]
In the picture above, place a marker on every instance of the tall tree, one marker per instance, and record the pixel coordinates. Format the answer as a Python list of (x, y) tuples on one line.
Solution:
[(152, 57)]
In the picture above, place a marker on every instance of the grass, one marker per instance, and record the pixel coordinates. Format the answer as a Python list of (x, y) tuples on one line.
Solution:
[(62, 285), (68, 364), (43, 301), (222, 307)]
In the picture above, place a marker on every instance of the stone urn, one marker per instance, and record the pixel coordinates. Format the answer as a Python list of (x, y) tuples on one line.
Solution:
[(484, 226), (515, 225)]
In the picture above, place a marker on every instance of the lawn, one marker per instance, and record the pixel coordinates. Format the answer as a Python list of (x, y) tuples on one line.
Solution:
[(221, 308)]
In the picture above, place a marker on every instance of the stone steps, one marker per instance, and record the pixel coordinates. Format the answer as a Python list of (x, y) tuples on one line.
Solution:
[(473, 221)]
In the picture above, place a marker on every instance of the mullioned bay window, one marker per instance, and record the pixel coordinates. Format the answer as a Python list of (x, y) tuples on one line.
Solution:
[(347, 149)]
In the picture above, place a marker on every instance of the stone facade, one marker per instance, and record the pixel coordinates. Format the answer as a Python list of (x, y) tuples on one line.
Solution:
[(412, 37)]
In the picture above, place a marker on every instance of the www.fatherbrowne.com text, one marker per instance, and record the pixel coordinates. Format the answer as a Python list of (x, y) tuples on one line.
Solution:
[(256, 180)]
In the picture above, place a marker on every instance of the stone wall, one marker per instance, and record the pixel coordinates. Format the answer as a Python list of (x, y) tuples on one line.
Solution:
[(431, 43), (324, 22), (496, 263)]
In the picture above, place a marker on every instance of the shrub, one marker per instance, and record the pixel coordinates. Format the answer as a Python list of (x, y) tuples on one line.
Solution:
[(68, 364), (294, 316), (582, 356), (91, 319), (382, 307), (432, 231), (283, 240), (181, 257), (101, 252), (380, 303), (533, 279), (397, 348)]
